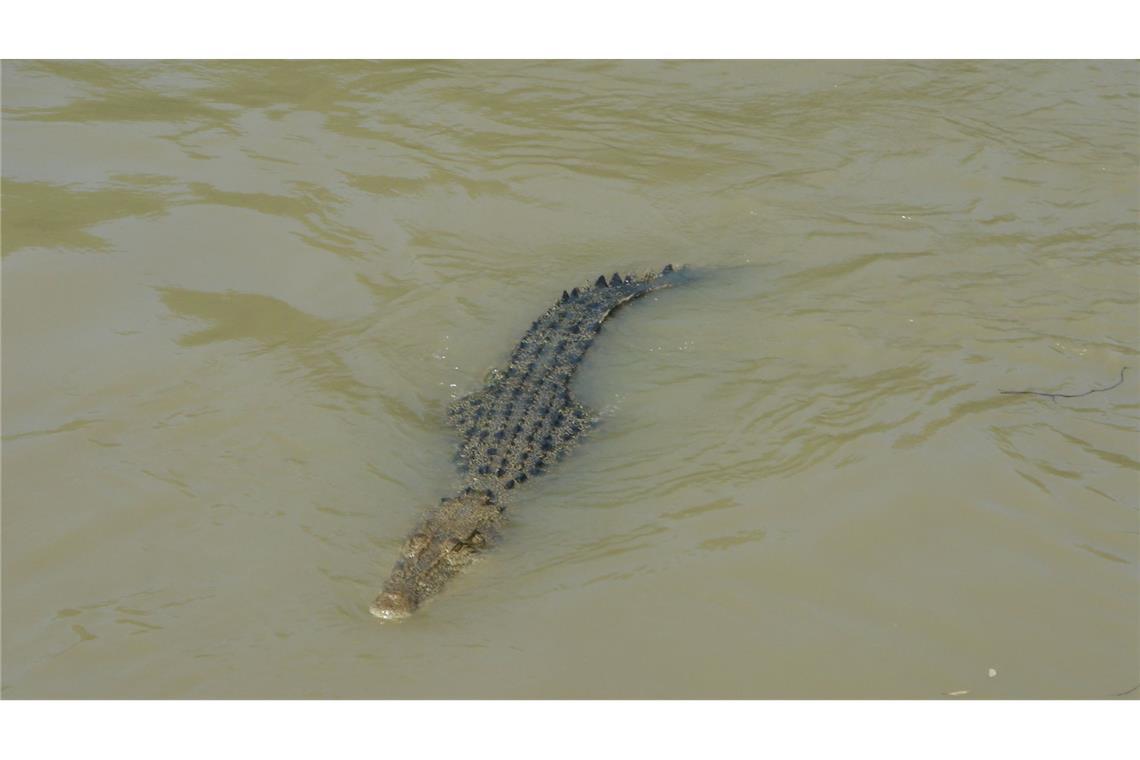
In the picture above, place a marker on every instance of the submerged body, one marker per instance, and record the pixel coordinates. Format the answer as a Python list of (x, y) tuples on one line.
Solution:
[(511, 431)]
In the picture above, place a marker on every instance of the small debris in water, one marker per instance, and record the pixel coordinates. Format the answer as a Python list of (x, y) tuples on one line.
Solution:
[(957, 693), (1056, 396), (992, 672)]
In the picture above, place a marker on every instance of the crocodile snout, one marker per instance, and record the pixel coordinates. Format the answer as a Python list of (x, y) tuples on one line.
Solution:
[(391, 606)]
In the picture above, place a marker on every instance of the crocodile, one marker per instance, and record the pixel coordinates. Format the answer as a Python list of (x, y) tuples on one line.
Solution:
[(511, 432)]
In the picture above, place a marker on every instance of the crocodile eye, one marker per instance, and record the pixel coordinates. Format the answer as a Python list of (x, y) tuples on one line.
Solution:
[(455, 551)]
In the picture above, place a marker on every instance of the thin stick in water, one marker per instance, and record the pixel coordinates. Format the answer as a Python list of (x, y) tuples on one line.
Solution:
[(1056, 396)]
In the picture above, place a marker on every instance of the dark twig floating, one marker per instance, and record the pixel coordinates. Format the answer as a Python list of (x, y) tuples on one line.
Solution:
[(1056, 396)]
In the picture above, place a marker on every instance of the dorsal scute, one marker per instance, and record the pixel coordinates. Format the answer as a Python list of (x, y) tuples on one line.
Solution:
[(565, 329), (462, 411)]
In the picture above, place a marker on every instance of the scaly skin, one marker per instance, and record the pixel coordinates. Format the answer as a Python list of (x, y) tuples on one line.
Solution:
[(511, 432)]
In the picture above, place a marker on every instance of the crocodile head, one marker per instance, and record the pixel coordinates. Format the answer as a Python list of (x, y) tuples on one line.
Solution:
[(440, 546)]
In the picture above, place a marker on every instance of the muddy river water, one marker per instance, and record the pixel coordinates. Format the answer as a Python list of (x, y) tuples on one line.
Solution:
[(238, 297)]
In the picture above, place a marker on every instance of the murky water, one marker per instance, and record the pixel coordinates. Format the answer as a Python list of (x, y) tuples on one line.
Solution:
[(237, 298)]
